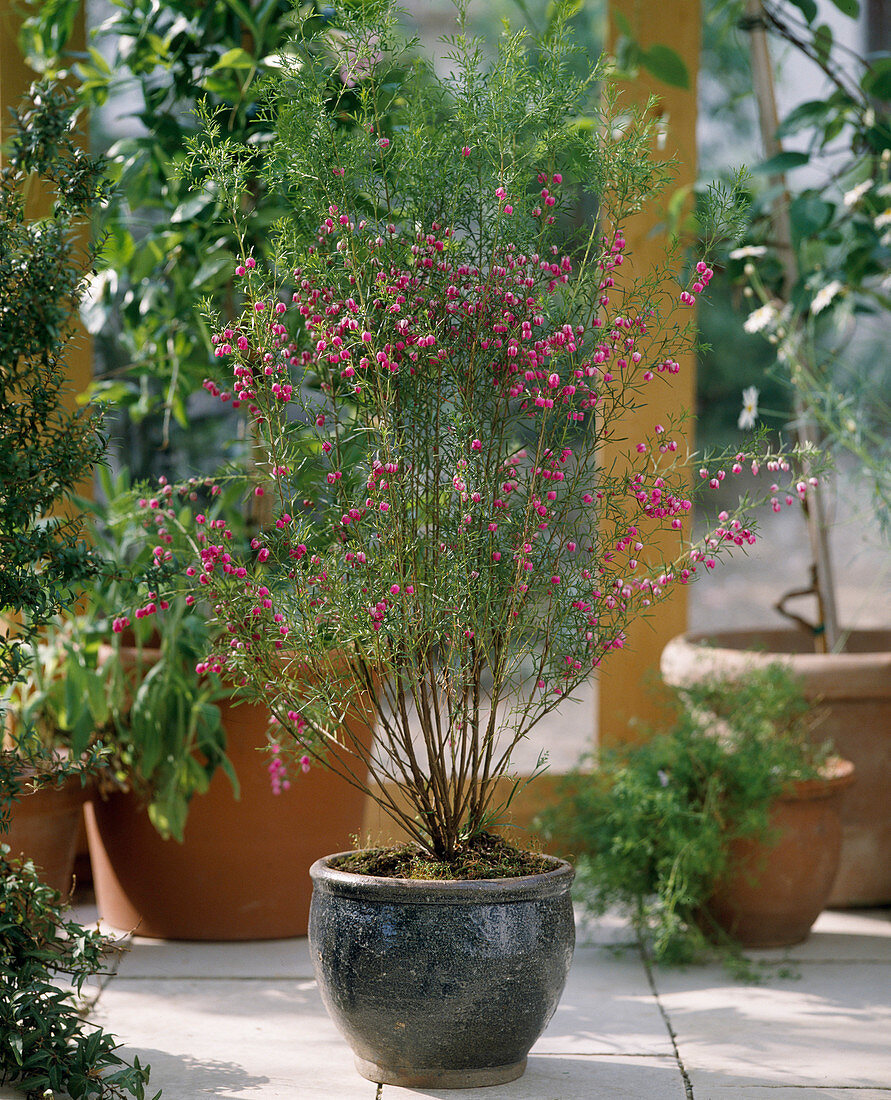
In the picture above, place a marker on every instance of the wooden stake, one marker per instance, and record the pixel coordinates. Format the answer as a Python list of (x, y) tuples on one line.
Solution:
[(826, 636)]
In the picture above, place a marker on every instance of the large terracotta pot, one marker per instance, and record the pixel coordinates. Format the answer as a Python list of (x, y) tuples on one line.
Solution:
[(778, 887), (853, 692), (441, 984), (242, 872), (44, 827)]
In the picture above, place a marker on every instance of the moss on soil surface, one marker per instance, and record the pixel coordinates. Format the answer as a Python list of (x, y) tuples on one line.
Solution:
[(485, 857)]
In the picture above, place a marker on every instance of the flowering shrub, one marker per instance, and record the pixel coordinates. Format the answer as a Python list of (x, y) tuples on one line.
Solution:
[(432, 375)]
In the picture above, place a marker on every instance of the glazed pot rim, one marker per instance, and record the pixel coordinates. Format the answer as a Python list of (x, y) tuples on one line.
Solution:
[(441, 891)]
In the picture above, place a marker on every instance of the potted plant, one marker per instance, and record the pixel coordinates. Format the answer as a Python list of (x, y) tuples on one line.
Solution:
[(814, 261), (431, 344), (235, 867), (48, 713), (184, 821), (722, 828)]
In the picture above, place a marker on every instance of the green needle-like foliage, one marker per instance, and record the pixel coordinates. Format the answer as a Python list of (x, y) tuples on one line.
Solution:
[(652, 827), (46, 448)]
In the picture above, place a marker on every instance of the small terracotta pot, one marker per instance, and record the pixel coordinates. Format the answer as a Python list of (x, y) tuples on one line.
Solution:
[(242, 871), (779, 887), (852, 691), (44, 827)]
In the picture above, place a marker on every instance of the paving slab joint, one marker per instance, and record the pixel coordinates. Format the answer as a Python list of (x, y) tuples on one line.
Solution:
[(651, 980)]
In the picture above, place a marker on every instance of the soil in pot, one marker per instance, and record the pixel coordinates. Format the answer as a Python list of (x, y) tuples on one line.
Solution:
[(441, 983), (852, 691), (780, 886)]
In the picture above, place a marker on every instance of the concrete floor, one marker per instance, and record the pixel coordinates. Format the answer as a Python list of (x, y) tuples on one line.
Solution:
[(245, 1021)]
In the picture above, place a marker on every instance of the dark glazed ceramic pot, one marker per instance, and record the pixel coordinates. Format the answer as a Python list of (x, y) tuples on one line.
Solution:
[(441, 984)]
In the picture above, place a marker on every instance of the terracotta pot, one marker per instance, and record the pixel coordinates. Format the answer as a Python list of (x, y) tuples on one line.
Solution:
[(853, 690), (779, 887), (44, 827), (441, 984), (242, 872)]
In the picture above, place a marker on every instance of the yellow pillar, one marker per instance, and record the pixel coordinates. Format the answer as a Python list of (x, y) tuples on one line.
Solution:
[(624, 697)]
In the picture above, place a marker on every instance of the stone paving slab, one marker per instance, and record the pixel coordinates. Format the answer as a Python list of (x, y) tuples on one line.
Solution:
[(234, 1038), (622, 1077), (829, 1028), (858, 935), (610, 930), (275, 960), (607, 1008), (721, 1091), (245, 1022)]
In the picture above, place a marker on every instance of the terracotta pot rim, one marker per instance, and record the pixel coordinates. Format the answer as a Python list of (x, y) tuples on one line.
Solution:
[(70, 782), (441, 891), (836, 774), (735, 640), (861, 673)]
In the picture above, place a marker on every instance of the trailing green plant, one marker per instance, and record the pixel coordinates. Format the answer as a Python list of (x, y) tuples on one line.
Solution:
[(45, 1043), (47, 1047), (47, 448), (651, 825)]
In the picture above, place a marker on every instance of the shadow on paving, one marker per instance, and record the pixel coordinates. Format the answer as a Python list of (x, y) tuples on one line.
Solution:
[(562, 1077), (181, 1075)]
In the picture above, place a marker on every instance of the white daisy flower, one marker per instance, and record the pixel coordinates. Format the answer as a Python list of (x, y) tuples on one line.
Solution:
[(760, 318), (883, 219), (753, 250), (749, 413), (852, 197), (824, 296)]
